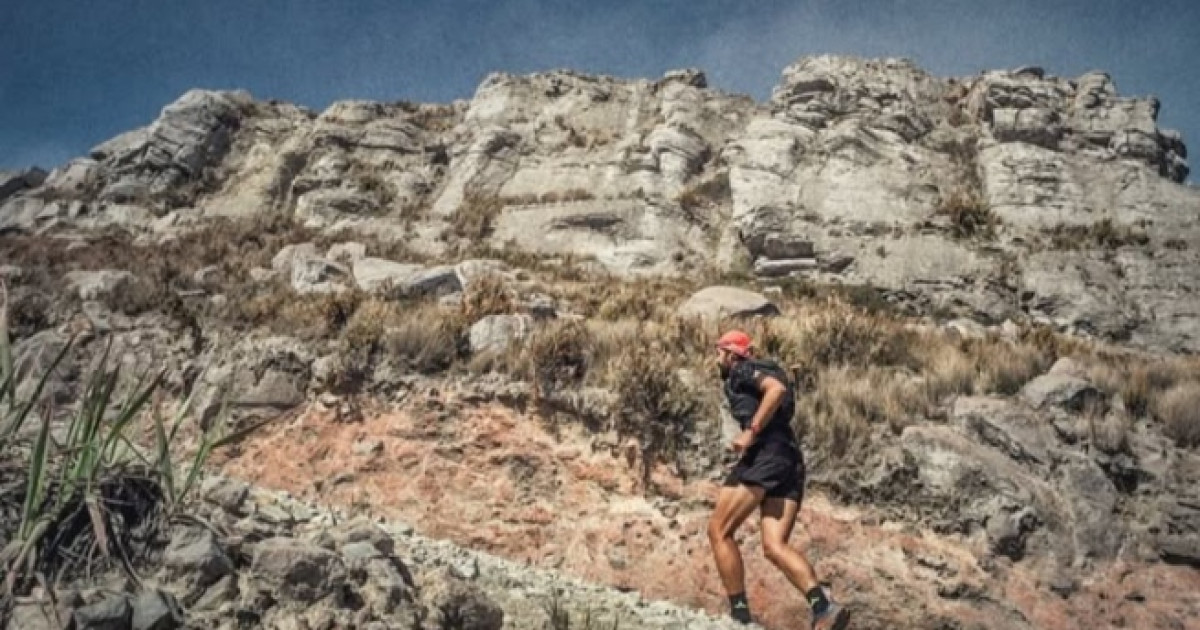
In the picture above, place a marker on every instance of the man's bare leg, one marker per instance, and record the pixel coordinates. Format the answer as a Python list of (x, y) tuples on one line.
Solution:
[(778, 520), (734, 505)]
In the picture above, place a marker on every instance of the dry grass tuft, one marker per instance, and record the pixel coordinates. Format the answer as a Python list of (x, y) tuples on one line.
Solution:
[(860, 398), (1179, 411), (424, 336), (489, 295), (1005, 367), (969, 215), (652, 300), (278, 308), (370, 321), (833, 333), (557, 356), (706, 194), (1138, 383), (475, 218), (949, 370), (374, 185), (1101, 235), (1109, 432)]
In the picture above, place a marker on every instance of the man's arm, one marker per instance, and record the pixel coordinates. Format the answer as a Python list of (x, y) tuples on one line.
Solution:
[(773, 392)]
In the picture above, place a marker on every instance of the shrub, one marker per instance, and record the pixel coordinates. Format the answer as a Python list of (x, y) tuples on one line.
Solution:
[(557, 356), (85, 497), (655, 404)]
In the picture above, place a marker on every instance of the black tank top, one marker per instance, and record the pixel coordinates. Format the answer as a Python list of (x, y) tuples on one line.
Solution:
[(744, 396)]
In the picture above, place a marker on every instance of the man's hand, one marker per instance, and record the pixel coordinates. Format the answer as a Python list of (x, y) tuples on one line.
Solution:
[(742, 441)]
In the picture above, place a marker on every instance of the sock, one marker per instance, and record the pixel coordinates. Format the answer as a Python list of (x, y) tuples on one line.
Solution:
[(739, 608), (817, 600)]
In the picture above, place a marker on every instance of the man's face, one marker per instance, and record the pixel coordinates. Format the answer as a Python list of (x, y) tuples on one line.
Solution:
[(725, 360)]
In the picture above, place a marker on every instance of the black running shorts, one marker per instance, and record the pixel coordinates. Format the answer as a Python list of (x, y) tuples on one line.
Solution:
[(779, 476)]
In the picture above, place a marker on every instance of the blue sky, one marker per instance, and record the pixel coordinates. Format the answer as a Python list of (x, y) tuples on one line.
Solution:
[(76, 72)]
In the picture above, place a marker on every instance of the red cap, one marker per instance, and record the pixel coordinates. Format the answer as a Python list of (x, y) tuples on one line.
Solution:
[(736, 342)]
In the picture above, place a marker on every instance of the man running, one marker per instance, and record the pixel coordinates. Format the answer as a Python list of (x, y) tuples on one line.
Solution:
[(769, 475)]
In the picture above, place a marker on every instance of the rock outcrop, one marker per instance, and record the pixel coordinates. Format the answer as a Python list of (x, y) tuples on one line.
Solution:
[(855, 171)]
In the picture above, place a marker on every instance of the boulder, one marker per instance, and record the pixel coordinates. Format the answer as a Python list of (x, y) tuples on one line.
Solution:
[(194, 554), (495, 333), (194, 132), (442, 280), (282, 262), (98, 285), (1004, 426), (1180, 550), (380, 276), (966, 486), (680, 151), (75, 178), (32, 616), (784, 267), (15, 181), (276, 390), (156, 610), (449, 600), (297, 571), (346, 253), (1066, 366), (23, 212), (1091, 501), (323, 206), (1006, 532), (782, 247), (1060, 390), (111, 613), (718, 302), (1035, 125), (474, 270), (222, 591), (541, 306), (228, 494), (967, 328), (386, 588), (317, 275), (376, 275)]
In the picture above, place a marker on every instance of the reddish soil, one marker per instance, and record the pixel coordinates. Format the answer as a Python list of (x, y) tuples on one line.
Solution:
[(491, 479)]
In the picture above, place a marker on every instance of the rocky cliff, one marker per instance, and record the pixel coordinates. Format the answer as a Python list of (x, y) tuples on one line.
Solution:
[(484, 318), (1003, 195)]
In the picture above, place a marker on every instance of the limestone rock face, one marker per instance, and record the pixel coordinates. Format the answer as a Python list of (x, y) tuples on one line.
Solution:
[(1006, 195)]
